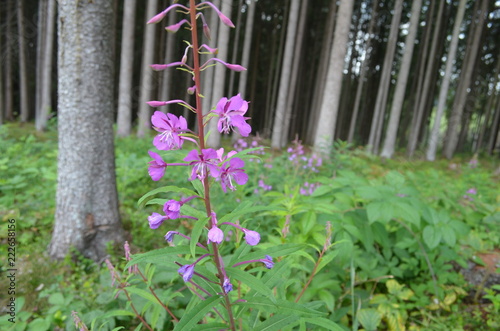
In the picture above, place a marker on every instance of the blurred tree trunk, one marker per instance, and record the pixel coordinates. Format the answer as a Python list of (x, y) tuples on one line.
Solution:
[(489, 108), (235, 48), (325, 131), (495, 128), (124, 119), (166, 78), (452, 132), (247, 44), (86, 215), (423, 90), (148, 56), (362, 74), (286, 70), (397, 102), (23, 73), (219, 82), (40, 44), (9, 42), (208, 78), (46, 73), (443, 93), (385, 81)]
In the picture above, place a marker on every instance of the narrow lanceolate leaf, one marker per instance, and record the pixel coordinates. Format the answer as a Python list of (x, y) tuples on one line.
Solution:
[(142, 293), (191, 317), (324, 323), (277, 322), (296, 309), (251, 281), (196, 233), (275, 251), (165, 189), (245, 211), (161, 255), (117, 312), (210, 327), (190, 211)]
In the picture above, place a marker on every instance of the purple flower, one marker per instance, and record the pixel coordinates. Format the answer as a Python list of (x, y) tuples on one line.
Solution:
[(156, 167), (231, 115), (472, 190), (203, 163), (176, 27), (155, 220), (228, 287), (215, 235), (170, 236), (251, 237), (187, 271), (172, 209), (268, 262), (233, 171), (169, 127)]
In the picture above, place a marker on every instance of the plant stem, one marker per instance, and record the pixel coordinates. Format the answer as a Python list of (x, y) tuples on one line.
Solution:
[(201, 136), (313, 273)]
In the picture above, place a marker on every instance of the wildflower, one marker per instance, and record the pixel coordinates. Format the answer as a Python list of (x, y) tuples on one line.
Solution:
[(172, 209), (228, 287), (232, 171), (231, 115), (472, 190), (215, 234), (155, 220), (203, 163), (251, 237), (156, 167), (268, 262), (176, 27), (187, 271), (169, 126), (170, 236), (158, 17)]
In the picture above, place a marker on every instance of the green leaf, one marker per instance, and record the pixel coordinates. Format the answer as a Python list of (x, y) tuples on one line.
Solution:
[(369, 318), (381, 211), (251, 281), (165, 189), (117, 312), (275, 251), (144, 294), (324, 323), (198, 187), (327, 258), (190, 211), (240, 212), (296, 309), (157, 201), (56, 299), (449, 235), (161, 255), (196, 233), (210, 327), (191, 317), (277, 322), (432, 236)]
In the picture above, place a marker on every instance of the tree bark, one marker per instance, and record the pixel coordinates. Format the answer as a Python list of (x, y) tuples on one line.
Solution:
[(147, 85), (9, 42), (452, 132), (385, 80), (247, 44), (235, 46), (40, 45), (219, 81), (397, 102), (489, 108), (46, 72), (124, 119), (443, 92), (286, 68), (23, 73), (325, 132), (495, 128), (86, 215), (166, 80)]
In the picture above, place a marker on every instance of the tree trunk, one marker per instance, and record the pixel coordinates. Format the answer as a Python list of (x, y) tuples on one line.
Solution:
[(489, 108), (397, 103), (124, 119), (443, 92), (9, 42), (40, 44), (235, 46), (423, 95), (284, 82), (385, 80), (86, 215), (148, 56), (495, 126), (323, 139), (245, 61), (452, 132), (46, 72), (219, 81), (23, 71), (166, 80), (362, 74)]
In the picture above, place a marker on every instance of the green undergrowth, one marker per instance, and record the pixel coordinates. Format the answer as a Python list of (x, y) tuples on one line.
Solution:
[(401, 232)]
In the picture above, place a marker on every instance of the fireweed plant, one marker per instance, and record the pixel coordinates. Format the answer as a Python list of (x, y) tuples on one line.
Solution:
[(225, 293)]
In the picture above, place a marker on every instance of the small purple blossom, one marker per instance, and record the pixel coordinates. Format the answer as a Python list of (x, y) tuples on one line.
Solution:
[(203, 164), (169, 126), (176, 27), (251, 237), (156, 167), (187, 271), (155, 220), (268, 262), (231, 172), (472, 190), (231, 115), (172, 209), (215, 235), (170, 236), (228, 287)]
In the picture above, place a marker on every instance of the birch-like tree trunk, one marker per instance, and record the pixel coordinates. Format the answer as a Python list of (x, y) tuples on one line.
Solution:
[(166, 78), (245, 60), (23, 73), (124, 118), (325, 132), (40, 44), (208, 77), (148, 55), (452, 132), (489, 107), (46, 72), (219, 81), (495, 128), (397, 102), (9, 42), (86, 215), (286, 68), (385, 80), (235, 48), (423, 94), (445, 84)]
